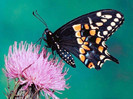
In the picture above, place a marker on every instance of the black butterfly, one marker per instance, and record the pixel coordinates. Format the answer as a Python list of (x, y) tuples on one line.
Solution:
[(85, 37)]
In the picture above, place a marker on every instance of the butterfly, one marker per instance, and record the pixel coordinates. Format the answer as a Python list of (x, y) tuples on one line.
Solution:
[(85, 37)]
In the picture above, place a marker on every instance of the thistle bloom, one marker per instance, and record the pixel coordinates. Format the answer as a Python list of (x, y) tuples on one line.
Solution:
[(31, 67)]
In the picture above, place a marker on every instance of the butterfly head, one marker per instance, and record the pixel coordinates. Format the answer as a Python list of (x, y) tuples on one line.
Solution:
[(47, 32)]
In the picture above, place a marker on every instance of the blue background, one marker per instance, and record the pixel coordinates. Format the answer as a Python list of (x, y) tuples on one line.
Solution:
[(113, 81)]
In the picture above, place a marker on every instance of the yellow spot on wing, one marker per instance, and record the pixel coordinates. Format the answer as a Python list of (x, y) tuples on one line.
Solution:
[(85, 47), (78, 34), (81, 50), (99, 23), (100, 48), (98, 40), (86, 26), (82, 57), (85, 43), (77, 27), (91, 65), (83, 38), (79, 41), (102, 57), (92, 32), (104, 20)]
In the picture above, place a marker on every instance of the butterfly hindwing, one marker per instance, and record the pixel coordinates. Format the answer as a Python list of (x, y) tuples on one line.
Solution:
[(89, 47), (92, 52)]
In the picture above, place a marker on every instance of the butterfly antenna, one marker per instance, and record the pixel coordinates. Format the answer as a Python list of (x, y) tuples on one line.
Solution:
[(39, 18)]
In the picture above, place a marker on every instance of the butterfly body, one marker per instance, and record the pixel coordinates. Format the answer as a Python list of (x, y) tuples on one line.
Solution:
[(85, 38), (51, 40)]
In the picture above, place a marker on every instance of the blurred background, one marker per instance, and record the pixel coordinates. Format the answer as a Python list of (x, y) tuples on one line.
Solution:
[(113, 81)]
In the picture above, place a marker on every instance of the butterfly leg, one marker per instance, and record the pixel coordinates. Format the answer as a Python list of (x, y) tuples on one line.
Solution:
[(46, 46), (40, 39), (44, 39), (54, 54)]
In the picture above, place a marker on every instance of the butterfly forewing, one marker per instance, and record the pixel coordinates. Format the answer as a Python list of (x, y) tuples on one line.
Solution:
[(98, 19), (107, 22)]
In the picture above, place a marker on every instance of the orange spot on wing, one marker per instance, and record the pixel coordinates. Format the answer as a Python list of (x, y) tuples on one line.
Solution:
[(85, 47), (85, 43), (82, 57), (98, 40), (79, 41), (91, 65), (86, 26), (78, 34), (83, 38), (81, 50), (100, 48), (77, 27), (92, 32)]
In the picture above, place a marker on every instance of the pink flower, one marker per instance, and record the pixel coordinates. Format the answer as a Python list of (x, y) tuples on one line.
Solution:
[(32, 67)]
